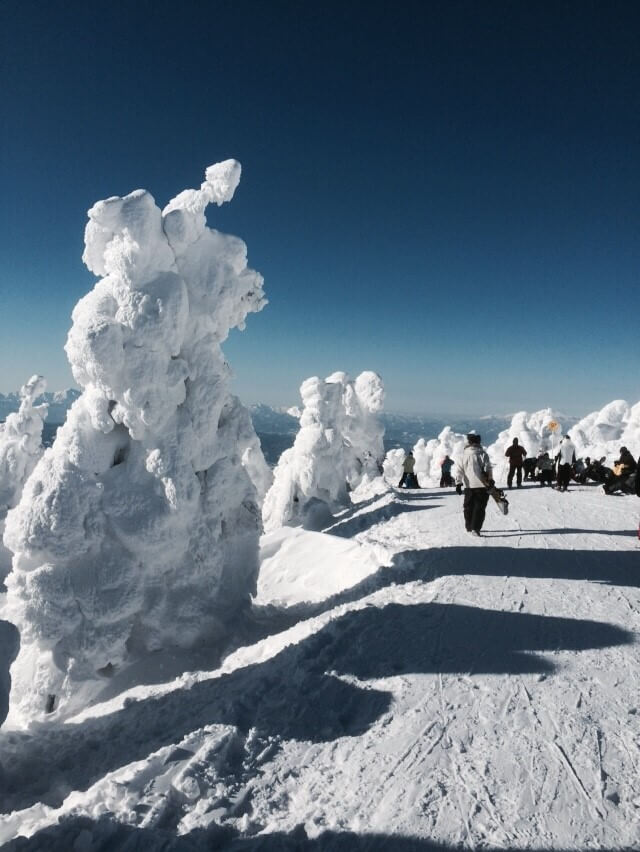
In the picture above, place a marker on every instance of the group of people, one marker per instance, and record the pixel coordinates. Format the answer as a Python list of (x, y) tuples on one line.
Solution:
[(543, 468), (475, 474)]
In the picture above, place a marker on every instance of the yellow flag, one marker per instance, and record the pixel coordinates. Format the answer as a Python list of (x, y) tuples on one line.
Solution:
[(553, 425)]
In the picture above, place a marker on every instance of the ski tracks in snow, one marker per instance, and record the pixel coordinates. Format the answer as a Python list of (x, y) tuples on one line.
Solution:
[(415, 703)]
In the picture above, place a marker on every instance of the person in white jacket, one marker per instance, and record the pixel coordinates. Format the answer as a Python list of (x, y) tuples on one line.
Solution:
[(474, 471), (565, 458)]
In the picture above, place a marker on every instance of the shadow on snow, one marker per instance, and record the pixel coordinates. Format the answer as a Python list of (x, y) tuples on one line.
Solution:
[(104, 835), (298, 694)]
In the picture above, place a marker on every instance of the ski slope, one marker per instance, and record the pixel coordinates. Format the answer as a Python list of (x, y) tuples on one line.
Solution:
[(398, 685)]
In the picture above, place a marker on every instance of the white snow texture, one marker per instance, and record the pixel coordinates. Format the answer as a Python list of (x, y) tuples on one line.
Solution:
[(139, 528), (339, 446)]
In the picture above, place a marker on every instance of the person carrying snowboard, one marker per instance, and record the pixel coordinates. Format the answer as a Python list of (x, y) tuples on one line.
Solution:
[(476, 474), (515, 454), (565, 458)]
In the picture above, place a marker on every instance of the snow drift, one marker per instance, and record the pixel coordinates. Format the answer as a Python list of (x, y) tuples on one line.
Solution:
[(339, 446), (139, 528), (20, 449)]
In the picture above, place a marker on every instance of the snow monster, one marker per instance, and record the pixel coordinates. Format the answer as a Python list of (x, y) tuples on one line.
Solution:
[(139, 528)]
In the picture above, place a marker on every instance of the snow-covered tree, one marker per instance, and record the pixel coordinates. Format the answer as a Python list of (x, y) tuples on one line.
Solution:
[(429, 455), (20, 449), (338, 446), (139, 528), (603, 432), (535, 432)]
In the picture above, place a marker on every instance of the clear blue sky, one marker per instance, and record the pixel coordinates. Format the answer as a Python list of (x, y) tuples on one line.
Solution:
[(445, 192)]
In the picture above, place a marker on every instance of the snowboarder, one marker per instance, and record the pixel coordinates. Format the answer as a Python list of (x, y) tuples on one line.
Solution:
[(515, 454), (476, 474), (446, 480), (565, 458), (408, 477)]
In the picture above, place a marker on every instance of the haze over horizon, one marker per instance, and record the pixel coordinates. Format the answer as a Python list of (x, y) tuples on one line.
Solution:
[(445, 193)]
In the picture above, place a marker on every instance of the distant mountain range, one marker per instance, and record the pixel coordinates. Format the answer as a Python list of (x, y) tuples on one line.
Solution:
[(400, 429), (277, 428), (58, 402)]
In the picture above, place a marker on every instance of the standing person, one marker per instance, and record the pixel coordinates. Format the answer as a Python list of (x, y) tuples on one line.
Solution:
[(565, 458), (407, 471), (475, 472), (446, 479), (516, 455)]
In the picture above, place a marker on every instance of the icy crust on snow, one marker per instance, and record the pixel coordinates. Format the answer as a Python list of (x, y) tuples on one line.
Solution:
[(338, 447), (20, 449), (140, 527)]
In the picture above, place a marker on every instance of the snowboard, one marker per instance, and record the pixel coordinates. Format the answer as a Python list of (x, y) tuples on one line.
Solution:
[(501, 501)]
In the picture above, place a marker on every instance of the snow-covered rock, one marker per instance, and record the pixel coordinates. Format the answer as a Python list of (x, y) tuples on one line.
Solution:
[(20, 449), (139, 528), (339, 446)]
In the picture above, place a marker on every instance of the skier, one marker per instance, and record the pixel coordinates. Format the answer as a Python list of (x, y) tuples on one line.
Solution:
[(475, 472), (408, 477), (515, 454), (446, 479), (565, 458)]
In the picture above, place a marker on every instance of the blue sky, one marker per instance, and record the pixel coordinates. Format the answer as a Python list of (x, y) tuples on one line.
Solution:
[(444, 192)]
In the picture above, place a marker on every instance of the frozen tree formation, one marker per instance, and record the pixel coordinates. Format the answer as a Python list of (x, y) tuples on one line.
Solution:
[(20, 449), (603, 432), (139, 528), (429, 455), (535, 432), (338, 448)]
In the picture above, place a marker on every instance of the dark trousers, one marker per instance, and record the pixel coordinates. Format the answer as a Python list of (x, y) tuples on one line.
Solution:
[(564, 475), (512, 469), (475, 506)]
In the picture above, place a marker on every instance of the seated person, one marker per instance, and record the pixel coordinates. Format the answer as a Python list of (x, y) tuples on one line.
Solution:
[(623, 468), (546, 470)]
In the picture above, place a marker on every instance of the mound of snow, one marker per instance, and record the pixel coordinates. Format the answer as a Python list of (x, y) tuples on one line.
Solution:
[(339, 446), (299, 566), (139, 528)]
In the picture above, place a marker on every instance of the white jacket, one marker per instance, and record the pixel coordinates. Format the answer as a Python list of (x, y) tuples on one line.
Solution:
[(475, 468), (567, 452)]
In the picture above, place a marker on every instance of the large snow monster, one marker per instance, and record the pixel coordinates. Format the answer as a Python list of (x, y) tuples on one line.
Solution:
[(139, 527)]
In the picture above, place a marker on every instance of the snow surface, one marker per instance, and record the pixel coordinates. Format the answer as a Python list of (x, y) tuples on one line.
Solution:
[(339, 446), (435, 691), (139, 528)]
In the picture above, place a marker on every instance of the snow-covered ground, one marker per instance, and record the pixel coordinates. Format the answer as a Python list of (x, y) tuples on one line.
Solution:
[(398, 685)]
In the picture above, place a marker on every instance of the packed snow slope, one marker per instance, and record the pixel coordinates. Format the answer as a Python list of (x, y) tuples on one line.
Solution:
[(399, 685)]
